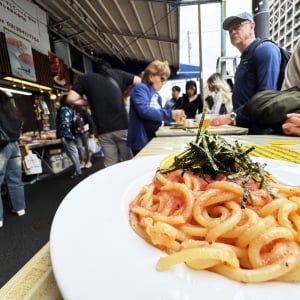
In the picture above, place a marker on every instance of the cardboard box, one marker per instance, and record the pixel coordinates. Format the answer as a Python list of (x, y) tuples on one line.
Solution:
[(54, 151)]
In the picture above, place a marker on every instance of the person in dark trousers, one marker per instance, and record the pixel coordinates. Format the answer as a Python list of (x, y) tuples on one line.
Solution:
[(83, 124)]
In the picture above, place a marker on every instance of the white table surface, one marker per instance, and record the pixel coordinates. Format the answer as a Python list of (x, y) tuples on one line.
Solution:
[(222, 130)]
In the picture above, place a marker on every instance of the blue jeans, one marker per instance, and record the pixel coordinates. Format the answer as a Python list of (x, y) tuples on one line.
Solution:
[(11, 171), (72, 151)]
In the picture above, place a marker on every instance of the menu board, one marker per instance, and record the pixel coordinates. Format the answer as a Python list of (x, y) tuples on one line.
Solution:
[(20, 56)]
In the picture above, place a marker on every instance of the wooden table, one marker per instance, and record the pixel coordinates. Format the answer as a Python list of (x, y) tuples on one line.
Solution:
[(36, 280)]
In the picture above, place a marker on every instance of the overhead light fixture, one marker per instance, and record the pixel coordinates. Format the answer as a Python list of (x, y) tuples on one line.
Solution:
[(28, 83), (13, 91), (52, 95)]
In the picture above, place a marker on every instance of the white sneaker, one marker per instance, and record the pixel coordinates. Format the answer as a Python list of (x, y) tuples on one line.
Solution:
[(20, 212), (88, 165), (1, 223)]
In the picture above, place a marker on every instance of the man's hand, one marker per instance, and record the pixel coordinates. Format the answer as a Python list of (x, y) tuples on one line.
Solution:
[(178, 115), (221, 120), (292, 125), (62, 140)]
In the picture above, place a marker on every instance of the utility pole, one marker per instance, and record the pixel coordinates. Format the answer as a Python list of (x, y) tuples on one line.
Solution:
[(223, 37), (260, 9), (189, 44)]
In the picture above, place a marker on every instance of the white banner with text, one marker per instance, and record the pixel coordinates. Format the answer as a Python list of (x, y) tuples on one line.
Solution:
[(27, 20)]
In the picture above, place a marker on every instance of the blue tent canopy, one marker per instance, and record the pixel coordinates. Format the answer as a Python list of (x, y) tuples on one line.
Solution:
[(187, 71)]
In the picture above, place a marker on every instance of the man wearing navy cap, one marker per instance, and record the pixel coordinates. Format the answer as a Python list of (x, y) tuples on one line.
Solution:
[(266, 62)]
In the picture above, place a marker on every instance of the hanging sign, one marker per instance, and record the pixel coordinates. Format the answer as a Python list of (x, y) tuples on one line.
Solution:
[(59, 72), (20, 56), (27, 20)]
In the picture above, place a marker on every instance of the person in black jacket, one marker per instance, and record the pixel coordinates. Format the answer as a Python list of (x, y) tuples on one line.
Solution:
[(10, 157), (190, 102)]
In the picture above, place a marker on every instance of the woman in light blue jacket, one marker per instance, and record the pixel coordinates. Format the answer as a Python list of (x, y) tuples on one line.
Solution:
[(146, 112)]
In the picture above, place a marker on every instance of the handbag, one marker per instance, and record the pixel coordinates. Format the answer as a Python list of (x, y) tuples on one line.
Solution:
[(223, 110), (4, 139)]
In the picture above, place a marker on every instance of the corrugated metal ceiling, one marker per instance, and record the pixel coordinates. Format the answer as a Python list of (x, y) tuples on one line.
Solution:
[(126, 29)]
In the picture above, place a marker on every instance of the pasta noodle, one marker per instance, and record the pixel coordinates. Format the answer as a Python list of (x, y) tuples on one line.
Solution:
[(200, 222)]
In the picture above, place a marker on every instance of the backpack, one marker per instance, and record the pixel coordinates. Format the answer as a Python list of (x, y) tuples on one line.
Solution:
[(268, 109), (285, 56)]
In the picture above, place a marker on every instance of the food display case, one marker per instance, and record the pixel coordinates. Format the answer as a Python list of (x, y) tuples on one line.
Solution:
[(48, 148)]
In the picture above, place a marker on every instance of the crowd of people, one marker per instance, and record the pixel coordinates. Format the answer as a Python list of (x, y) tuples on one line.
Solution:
[(126, 116)]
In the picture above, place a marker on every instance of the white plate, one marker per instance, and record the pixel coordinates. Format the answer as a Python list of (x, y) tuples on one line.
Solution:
[(96, 255)]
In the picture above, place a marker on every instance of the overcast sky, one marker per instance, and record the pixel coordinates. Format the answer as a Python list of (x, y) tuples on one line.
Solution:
[(211, 33)]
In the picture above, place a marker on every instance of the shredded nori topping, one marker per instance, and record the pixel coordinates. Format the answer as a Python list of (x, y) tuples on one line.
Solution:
[(213, 155)]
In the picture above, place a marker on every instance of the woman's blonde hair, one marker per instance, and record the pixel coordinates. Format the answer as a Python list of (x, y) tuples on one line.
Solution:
[(218, 84), (156, 67)]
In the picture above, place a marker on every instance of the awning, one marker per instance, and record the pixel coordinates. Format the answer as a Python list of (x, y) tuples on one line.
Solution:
[(187, 72), (128, 29)]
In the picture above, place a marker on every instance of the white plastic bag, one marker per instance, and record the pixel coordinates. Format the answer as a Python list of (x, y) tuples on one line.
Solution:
[(32, 164), (93, 146)]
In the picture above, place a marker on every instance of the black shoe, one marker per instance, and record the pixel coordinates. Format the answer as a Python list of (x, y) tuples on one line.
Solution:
[(75, 175)]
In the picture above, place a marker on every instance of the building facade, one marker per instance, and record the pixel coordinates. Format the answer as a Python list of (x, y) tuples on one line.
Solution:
[(285, 22)]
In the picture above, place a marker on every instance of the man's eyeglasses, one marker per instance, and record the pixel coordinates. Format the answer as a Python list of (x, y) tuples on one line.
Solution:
[(237, 26)]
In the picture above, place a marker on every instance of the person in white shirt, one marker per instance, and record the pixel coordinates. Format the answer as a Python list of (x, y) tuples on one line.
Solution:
[(222, 103)]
